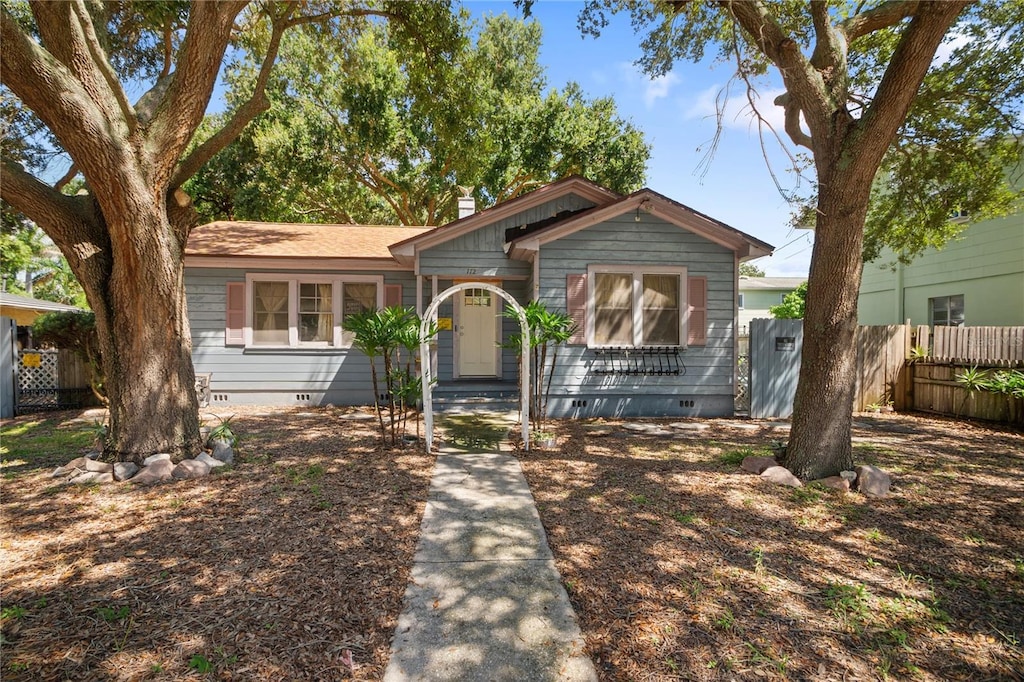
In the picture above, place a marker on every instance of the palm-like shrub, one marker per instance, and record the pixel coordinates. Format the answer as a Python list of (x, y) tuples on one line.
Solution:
[(548, 330), (392, 336)]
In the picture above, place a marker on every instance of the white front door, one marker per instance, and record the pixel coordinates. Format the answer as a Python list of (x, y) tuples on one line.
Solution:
[(477, 348)]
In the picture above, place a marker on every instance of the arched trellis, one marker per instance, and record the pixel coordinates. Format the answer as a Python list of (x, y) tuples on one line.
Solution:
[(430, 316)]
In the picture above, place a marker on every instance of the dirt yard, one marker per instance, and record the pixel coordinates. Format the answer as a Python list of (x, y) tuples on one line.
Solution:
[(679, 565), (270, 571)]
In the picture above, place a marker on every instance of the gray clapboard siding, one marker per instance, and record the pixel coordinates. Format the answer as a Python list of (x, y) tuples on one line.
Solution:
[(708, 381), (481, 252), (256, 376)]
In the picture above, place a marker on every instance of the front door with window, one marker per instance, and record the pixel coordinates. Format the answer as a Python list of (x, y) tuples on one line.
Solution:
[(477, 348)]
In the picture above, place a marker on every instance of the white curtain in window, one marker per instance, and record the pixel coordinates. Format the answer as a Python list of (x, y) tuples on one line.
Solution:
[(359, 297), (270, 313)]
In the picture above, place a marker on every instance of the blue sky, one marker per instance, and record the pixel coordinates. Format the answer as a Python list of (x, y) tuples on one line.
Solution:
[(676, 112)]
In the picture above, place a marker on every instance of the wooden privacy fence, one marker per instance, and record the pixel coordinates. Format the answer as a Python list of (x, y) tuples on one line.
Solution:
[(990, 346), (935, 389)]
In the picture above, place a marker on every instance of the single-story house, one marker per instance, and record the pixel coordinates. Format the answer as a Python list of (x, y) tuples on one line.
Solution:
[(758, 294), (974, 280), (651, 283)]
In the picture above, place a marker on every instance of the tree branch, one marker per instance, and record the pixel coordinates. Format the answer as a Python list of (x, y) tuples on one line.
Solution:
[(99, 59), (67, 177), (64, 216), (804, 84), (903, 77), (51, 90), (243, 115), (65, 37), (887, 14), (182, 107)]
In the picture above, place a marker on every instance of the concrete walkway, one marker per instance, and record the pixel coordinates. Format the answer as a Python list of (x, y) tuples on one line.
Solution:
[(485, 601)]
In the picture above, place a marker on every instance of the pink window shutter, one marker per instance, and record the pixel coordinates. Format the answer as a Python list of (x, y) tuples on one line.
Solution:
[(392, 295), (576, 306), (234, 326), (697, 326)]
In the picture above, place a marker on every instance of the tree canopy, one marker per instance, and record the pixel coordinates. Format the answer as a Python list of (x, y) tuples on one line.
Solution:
[(373, 130), (793, 304), (750, 270)]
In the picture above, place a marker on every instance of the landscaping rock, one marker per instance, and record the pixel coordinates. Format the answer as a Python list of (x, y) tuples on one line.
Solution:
[(101, 467), (222, 451), (190, 468), (757, 465), (872, 481), (211, 462), (689, 426), (156, 458), (782, 476), (850, 476), (88, 477), (125, 470), (95, 454), (834, 482), (159, 470), (76, 463)]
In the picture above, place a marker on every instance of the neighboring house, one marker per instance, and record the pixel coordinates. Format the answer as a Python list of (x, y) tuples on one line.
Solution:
[(758, 294), (24, 310), (976, 280), (651, 283)]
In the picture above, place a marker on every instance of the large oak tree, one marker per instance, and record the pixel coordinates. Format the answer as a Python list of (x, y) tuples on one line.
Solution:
[(69, 63), (891, 125)]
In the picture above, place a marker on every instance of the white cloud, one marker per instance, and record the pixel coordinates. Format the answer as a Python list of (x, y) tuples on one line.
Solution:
[(735, 108), (949, 46), (650, 89)]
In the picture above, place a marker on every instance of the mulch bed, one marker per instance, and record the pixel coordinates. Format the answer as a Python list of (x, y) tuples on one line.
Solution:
[(283, 568), (680, 566)]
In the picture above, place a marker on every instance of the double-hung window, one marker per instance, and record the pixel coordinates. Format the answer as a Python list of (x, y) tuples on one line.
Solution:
[(288, 311), (636, 306), (946, 311)]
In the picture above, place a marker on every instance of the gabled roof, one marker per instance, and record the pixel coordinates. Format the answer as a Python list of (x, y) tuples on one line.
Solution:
[(770, 283), (228, 239), (655, 204), (405, 251)]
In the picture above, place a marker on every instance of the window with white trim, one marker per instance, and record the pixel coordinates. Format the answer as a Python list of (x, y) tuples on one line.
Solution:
[(946, 311), (287, 311), (636, 305), (739, 301)]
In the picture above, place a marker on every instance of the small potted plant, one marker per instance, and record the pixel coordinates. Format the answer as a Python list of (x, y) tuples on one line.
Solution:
[(543, 439)]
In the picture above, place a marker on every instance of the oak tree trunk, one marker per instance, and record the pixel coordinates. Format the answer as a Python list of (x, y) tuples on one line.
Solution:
[(819, 444), (142, 323)]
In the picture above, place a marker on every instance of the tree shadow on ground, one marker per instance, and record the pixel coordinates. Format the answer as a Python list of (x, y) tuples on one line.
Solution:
[(681, 566), (281, 568)]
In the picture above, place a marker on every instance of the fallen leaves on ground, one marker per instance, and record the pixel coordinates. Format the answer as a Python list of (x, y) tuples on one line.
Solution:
[(290, 566), (681, 566)]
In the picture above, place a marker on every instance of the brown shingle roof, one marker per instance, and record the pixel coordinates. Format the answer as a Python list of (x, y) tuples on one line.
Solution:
[(296, 240)]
